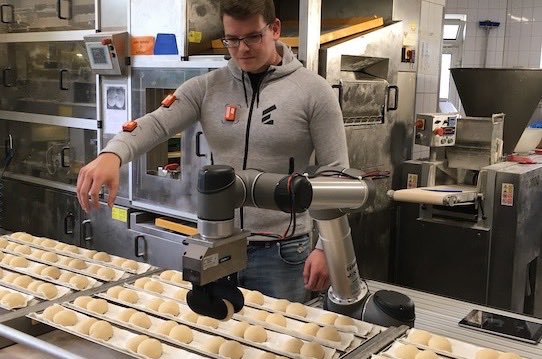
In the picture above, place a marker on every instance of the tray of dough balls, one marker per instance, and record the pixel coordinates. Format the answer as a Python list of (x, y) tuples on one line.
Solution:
[(111, 336), (254, 335), (46, 272), (420, 344), (28, 285), (88, 255), (165, 330), (11, 299), (326, 335), (76, 265)]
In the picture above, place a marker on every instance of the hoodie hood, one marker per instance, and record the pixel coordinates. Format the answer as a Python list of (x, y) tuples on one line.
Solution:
[(289, 64)]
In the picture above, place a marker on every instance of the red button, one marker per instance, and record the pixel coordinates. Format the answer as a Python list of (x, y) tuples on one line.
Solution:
[(439, 131), (129, 126), (420, 124), (106, 41)]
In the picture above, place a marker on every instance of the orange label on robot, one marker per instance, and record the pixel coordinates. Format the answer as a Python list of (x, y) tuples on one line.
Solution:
[(129, 126), (231, 113), (168, 101)]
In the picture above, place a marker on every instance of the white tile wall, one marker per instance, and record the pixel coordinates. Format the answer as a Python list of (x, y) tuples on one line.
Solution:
[(517, 42)]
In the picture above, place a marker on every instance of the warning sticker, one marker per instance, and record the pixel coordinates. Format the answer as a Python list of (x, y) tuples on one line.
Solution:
[(209, 261), (507, 194), (353, 276), (412, 181)]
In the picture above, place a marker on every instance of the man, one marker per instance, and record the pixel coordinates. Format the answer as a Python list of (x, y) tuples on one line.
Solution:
[(265, 111)]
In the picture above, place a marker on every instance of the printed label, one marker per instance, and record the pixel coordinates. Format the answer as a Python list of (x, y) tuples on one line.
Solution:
[(195, 36), (353, 276), (119, 214), (412, 181), (209, 261), (507, 194)]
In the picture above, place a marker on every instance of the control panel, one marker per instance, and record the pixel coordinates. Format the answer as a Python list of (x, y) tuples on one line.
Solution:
[(107, 52), (436, 130)]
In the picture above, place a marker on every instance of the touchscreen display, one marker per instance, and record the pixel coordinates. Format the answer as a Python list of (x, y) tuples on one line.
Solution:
[(504, 326)]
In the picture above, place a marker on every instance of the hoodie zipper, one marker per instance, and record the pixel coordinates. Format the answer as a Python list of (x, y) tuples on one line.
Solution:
[(255, 95)]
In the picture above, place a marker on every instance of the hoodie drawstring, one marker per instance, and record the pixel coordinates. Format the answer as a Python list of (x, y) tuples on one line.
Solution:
[(244, 86)]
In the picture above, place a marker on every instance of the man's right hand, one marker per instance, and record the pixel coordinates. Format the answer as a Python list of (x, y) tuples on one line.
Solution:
[(104, 170)]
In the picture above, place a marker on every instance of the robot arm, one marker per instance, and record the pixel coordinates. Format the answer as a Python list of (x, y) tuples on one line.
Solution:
[(219, 249)]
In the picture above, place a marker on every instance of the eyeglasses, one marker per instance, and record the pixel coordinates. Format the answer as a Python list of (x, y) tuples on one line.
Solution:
[(252, 39)]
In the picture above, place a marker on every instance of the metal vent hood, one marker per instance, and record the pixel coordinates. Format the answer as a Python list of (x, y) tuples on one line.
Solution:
[(515, 92)]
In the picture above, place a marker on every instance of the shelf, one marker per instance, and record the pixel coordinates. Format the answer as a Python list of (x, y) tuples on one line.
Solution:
[(72, 122), (174, 61), (46, 36)]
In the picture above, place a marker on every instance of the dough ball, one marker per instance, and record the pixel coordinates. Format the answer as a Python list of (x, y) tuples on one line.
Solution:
[(101, 330), (487, 353), (151, 348), (277, 319), (33, 287), (51, 272), (178, 278), (280, 305), (255, 333), (99, 306), (10, 277), (408, 351), (509, 356), (22, 281), (129, 296), (154, 303), (254, 297), (16, 235), (71, 249), (167, 274), (23, 249), (140, 319), (213, 344), (49, 257), (140, 282), (329, 333), (190, 316), (292, 345), (426, 354), (80, 282), (37, 269), (65, 276), (312, 350), (113, 292), (125, 314), (260, 315), (181, 333), (89, 253), (50, 312), (208, 322), (266, 356), (107, 274), (102, 256), (2, 255), (239, 329), (153, 286), (7, 258), (419, 337), (48, 290), (130, 265), (180, 294), (38, 241), (60, 246), (440, 343), (165, 327), (309, 329), (19, 262), (93, 269), (77, 263), (65, 317), (11, 246), (134, 342), (296, 309), (169, 307), (84, 325), (3, 242), (37, 253), (230, 310), (48, 243), (3, 292), (117, 261), (82, 301), (13, 300), (231, 349), (344, 321)]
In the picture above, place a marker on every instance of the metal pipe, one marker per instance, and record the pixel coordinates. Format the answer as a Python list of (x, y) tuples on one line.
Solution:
[(330, 193), (346, 286), (35, 343)]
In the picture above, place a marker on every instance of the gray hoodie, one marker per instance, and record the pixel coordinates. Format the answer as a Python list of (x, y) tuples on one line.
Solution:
[(294, 113)]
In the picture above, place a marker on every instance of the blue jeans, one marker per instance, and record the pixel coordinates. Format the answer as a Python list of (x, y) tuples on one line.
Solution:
[(276, 269)]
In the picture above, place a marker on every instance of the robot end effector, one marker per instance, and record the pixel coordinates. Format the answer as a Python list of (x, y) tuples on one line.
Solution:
[(219, 249)]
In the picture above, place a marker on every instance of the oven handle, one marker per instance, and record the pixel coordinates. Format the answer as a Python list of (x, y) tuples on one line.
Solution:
[(396, 97)]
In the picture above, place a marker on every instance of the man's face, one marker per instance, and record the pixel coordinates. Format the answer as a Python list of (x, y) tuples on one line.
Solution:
[(260, 52)]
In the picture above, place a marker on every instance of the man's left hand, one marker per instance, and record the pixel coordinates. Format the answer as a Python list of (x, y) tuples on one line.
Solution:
[(315, 273)]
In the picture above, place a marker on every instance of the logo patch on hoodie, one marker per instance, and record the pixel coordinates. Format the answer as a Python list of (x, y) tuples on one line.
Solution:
[(266, 115)]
